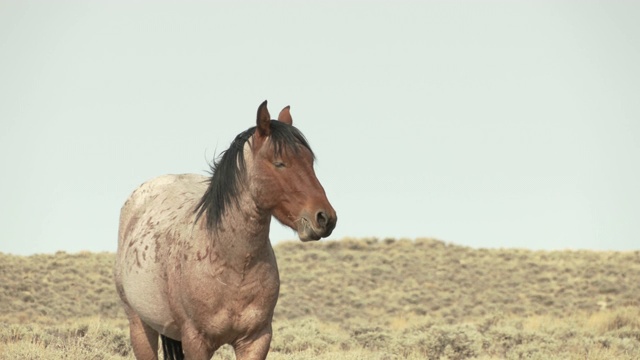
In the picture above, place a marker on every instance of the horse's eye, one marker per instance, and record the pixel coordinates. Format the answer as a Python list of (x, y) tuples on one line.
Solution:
[(279, 164)]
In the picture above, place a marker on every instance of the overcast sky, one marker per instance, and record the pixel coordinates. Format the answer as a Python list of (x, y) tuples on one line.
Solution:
[(487, 124)]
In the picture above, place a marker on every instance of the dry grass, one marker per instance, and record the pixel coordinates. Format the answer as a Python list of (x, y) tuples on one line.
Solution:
[(361, 299)]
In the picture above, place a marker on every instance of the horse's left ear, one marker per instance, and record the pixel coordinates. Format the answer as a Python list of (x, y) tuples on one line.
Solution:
[(285, 116), (263, 123)]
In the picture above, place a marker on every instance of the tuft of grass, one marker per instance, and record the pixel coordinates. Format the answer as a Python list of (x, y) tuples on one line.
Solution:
[(80, 339)]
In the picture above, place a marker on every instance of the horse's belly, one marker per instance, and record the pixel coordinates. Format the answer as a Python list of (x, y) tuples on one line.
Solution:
[(146, 294)]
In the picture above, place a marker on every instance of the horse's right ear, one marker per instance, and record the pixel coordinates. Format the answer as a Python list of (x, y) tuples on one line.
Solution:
[(263, 123)]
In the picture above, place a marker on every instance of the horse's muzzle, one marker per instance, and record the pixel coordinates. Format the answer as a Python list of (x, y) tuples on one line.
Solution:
[(321, 226)]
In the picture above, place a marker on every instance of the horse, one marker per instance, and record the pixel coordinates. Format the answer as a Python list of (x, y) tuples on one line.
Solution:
[(195, 265)]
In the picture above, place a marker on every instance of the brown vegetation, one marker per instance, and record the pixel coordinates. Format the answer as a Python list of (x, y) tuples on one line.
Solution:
[(361, 299)]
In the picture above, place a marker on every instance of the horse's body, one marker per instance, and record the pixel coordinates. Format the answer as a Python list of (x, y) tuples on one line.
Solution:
[(194, 261)]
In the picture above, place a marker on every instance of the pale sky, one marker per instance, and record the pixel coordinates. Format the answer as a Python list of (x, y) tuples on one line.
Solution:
[(486, 124)]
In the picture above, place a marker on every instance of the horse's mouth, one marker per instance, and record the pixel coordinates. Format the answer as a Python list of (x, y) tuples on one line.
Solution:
[(306, 232)]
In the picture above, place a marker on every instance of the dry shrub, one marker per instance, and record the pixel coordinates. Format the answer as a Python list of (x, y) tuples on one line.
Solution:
[(605, 321), (306, 335), (454, 342)]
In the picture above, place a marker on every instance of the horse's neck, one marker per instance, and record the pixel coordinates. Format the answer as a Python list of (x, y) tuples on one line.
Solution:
[(244, 227), (243, 231)]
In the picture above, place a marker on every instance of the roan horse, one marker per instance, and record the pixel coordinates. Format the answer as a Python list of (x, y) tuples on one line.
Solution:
[(194, 262)]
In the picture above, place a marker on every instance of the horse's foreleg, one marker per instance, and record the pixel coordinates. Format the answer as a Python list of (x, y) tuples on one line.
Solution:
[(254, 348), (144, 339), (195, 346)]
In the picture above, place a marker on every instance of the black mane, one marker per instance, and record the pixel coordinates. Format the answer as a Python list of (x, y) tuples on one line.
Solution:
[(228, 171)]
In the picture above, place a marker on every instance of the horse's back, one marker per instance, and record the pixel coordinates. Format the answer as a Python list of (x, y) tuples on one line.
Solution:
[(152, 219), (159, 198), (184, 185), (163, 204)]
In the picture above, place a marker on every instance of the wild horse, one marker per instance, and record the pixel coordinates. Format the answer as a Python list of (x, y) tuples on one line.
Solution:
[(194, 261)]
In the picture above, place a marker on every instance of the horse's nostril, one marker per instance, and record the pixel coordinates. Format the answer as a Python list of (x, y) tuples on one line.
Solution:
[(322, 218)]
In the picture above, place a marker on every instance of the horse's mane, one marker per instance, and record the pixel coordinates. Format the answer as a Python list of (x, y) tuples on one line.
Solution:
[(228, 171)]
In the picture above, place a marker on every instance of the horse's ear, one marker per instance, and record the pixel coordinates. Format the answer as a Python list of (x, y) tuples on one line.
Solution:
[(285, 116), (263, 123)]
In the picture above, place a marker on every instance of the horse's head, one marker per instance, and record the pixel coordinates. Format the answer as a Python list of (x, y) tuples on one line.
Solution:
[(282, 178)]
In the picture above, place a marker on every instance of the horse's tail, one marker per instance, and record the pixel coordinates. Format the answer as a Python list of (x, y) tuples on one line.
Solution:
[(172, 349)]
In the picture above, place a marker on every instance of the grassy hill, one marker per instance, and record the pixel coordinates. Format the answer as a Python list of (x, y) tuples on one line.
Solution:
[(361, 298)]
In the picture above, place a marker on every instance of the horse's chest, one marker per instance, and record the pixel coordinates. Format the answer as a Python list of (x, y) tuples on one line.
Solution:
[(252, 302), (239, 306)]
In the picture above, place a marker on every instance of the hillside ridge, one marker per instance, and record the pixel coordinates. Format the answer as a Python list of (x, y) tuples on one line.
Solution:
[(359, 278), (360, 298)]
